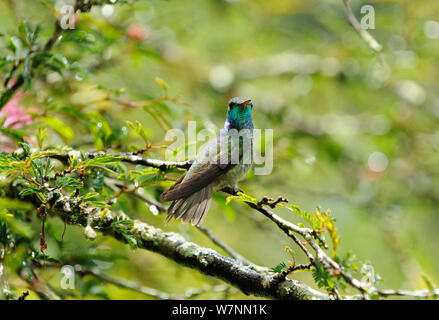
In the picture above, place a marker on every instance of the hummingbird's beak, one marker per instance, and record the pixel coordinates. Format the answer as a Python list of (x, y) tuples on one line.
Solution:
[(246, 103)]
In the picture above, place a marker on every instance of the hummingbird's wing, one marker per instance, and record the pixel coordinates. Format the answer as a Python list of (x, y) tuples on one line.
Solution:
[(185, 187), (206, 169)]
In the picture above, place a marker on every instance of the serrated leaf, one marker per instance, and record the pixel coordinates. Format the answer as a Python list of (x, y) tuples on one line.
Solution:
[(90, 195)]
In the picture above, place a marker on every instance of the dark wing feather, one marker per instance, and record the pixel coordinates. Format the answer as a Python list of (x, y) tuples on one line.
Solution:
[(182, 189), (179, 180)]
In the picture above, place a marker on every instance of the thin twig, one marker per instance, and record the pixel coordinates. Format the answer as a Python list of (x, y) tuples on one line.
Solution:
[(163, 209), (365, 35), (223, 246), (416, 293), (131, 285)]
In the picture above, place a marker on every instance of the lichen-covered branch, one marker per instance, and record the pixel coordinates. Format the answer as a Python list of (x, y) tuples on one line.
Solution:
[(252, 279), (162, 209), (130, 158)]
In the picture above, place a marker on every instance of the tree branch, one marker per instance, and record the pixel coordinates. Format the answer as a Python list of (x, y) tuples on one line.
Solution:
[(254, 280), (163, 209), (132, 159)]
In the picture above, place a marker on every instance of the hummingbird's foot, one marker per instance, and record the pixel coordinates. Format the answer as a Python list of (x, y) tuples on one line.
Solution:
[(237, 189), (232, 190)]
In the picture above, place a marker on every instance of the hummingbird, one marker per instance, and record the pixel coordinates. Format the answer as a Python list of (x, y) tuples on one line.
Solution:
[(219, 166)]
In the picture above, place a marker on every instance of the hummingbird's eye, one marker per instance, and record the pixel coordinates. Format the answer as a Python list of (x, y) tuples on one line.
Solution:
[(231, 105)]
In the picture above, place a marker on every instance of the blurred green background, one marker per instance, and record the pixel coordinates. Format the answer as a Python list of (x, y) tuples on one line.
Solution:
[(351, 134)]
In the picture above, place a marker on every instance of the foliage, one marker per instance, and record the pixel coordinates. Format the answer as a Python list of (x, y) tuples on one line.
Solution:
[(353, 131)]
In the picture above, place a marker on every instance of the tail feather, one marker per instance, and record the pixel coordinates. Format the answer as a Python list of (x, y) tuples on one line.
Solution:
[(189, 213), (205, 207), (197, 213), (192, 209), (184, 206), (192, 212)]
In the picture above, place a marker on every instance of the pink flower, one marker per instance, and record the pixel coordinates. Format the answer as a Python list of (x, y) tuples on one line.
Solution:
[(15, 116), (137, 32)]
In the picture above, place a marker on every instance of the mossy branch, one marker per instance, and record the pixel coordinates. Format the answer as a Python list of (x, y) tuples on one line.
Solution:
[(250, 279)]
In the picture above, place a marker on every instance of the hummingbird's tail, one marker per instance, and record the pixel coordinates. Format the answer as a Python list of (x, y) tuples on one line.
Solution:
[(192, 209)]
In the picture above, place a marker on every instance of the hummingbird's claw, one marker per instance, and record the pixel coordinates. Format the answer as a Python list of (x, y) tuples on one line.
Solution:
[(232, 190)]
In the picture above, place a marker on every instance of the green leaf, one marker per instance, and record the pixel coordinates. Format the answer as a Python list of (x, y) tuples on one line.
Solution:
[(241, 197), (100, 204), (28, 191), (14, 134), (429, 285), (139, 129), (60, 127), (38, 171), (90, 195), (102, 160), (101, 130), (10, 163), (15, 44), (45, 153), (33, 34), (14, 204), (42, 133), (5, 235), (162, 83), (62, 182), (322, 277), (279, 268), (312, 220), (25, 146)]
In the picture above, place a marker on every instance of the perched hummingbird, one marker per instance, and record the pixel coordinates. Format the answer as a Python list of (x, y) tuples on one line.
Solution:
[(225, 160)]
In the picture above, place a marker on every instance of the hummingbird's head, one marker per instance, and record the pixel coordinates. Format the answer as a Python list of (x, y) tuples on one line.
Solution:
[(239, 114)]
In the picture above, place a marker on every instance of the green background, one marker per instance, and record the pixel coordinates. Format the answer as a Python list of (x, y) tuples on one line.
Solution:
[(326, 95)]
